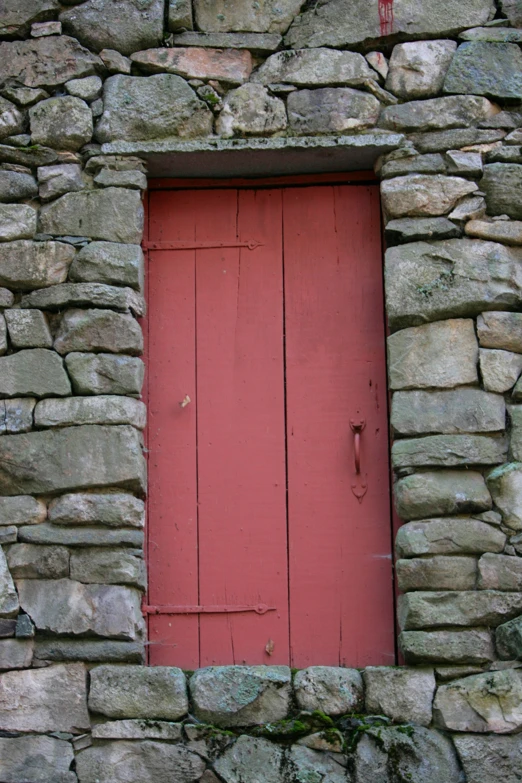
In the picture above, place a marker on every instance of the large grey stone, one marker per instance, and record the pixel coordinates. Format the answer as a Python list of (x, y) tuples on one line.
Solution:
[(499, 369), (45, 62), (404, 695), (56, 648), (114, 214), (331, 690), (18, 16), (502, 183), (490, 702), (251, 110), (418, 68), (156, 107), (508, 638), (437, 113), (331, 109), (414, 229), (35, 372), (15, 185), (38, 759), (28, 561), (27, 156), (124, 25), (58, 297), (490, 759), (451, 412), (500, 572), (8, 597), (138, 762), (15, 654), (428, 281), (484, 68), (460, 535), (345, 22), (441, 492), (59, 179), (138, 692), (314, 68), (97, 565), (251, 758), (71, 458), (392, 166), (28, 329), (80, 536), (446, 451), (113, 509), (88, 89), (77, 609), (241, 695), (11, 119), (507, 231), (308, 764), (441, 572), (40, 700), (443, 354), (22, 510), (229, 66), (423, 194), (109, 262), (500, 330), (220, 16), (419, 610), (450, 647), (98, 330), (104, 373), (63, 123), (505, 485), (25, 265)]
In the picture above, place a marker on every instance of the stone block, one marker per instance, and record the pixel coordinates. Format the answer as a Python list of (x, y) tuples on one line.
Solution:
[(39, 759), (411, 164), (501, 183), (499, 369), (28, 561), (450, 412), (8, 535), (469, 208), (22, 510), (508, 638), (81, 536), (309, 763), (437, 114), (423, 195), (226, 65), (15, 654), (113, 509), (180, 15), (59, 179), (315, 68), (98, 565), (109, 262), (420, 610), (404, 695), (490, 702), (159, 107), (441, 572), (88, 89), (261, 43), (15, 185), (76, 609), (61, 123), (505, 485), (331, 690), (216, 16), (443, 354), (331, 109), (252, 757), (462, 535), (509, 232), (494, 34), (121, 179), (88, 650), (500, 330), (492, 758), (58, 297), (7, 628), (24, 627), (18, 16), (41, 700), (45, 62), (379, 63), (418, 69), (515, 414), (114, 214), (25, 265), (6, 298), (241, 695), (9, 605), (99, 330), (28, 329), (145, 761), (446, 451), (485, 68), (72, 458), (17, 221), (34, 372), (138, 729), (414, 229), (429, 281), (251, 110), (115, 62), (23, 96), (500, 572), (137, 692), (427, 494), (473, 646)]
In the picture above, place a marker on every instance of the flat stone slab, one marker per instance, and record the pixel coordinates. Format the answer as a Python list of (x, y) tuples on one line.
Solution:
[(452, 412), (420, 610), (193, 63), (450, 451), (80, 536), (113, 509), (35, 372), (102, 409), (138, 729), (458, 535), (89, 650), (158, 692), (450, 647), (101, 295), (422, 495)]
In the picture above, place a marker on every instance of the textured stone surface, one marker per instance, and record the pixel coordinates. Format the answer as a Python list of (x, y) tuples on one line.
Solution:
[(58, 297), (39, 700), (8, 597), (28, 561), (331, 109), (90, 410), (15, 185), (437, 573), (442, 492), (329, 689), (17, 221), (114, 214), (76, 609), (437, 114), (138, 692), (446, 536), (484, 702), (505, 485), (264, 43), (499, 369), (314, 68), (450, 647), (16, 415), (180, 15), (500, 572), (28, 329), (45, 62), (392, 166), (98, 330), (467, 164), (263, 17), (63, 123), (38, 759), (147, 762), (240, 695), (25, 265), (400, 694), (137, 729), (88, 89), (229, 66), (22, 510), (508, 637), (158, 107), (251, 110), (507, 232), (113, 509), (435, 609), (451, 412), (71, 458), (109, 262), (115, 62), (469, 208), (500, 330), (423, 195), (490, 759), (484, 68), (502, 183), (515, 414), (15, 654), (59, 179), (418, 69), (443, 354), (449, 451), (415, 229), (95, 565), (427, 281), (251, 758), (18, 16), (104, 373), (309, 764), (34, 372)]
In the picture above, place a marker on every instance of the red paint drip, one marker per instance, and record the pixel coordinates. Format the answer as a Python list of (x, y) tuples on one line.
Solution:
[(386, 16)]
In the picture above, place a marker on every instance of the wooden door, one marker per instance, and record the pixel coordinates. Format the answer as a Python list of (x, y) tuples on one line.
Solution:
[(264, 543)]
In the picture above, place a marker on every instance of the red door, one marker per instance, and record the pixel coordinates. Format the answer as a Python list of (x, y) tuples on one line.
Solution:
[(266, 356)]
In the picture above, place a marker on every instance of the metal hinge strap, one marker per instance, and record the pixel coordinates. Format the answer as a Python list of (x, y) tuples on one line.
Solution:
[(251, 244), (218, 609)]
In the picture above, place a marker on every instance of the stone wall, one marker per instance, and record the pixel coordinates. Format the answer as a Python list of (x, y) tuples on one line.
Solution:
[(437, 85)]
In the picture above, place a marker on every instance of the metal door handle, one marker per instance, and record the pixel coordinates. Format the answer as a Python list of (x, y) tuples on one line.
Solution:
[(357, 427)]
